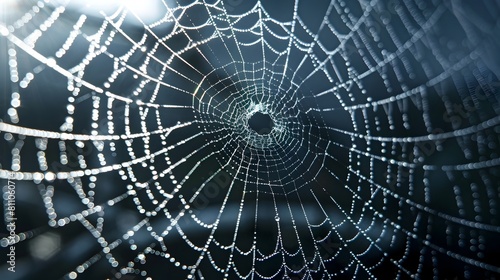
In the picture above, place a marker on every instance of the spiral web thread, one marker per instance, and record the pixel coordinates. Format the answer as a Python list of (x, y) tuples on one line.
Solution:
[(349, 181)]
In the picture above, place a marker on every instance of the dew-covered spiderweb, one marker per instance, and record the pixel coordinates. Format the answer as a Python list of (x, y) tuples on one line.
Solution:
[(251, 139)]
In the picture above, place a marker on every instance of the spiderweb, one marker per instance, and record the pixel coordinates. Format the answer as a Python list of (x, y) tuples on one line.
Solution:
[(255, 139)]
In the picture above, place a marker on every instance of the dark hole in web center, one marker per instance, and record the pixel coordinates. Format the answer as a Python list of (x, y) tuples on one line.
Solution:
[(261, 123)]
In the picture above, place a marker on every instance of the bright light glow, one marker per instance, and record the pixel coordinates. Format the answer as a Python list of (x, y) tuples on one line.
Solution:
[(149, 11), (8, 3), (6, 7)]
